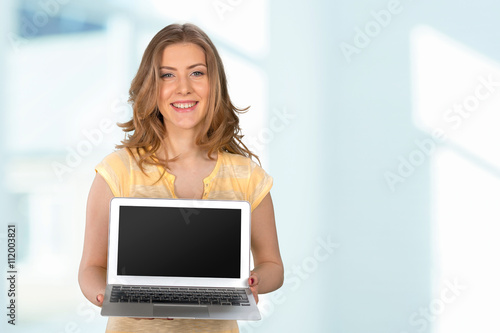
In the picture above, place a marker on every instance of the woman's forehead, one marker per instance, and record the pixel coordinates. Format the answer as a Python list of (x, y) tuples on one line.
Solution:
[(183, 53)]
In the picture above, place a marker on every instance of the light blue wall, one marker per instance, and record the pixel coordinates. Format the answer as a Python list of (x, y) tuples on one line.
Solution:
[(353, 120)]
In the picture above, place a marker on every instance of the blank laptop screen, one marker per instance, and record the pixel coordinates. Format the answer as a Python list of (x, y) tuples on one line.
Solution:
[(179, 242)]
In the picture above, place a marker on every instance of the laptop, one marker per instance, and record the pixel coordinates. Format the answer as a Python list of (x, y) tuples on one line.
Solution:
[(179, 258)]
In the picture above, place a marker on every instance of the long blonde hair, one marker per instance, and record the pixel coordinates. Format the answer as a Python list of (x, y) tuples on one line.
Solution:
[(146, 130)]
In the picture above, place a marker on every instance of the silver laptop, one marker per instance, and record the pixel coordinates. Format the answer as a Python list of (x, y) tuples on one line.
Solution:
[(178, 258)]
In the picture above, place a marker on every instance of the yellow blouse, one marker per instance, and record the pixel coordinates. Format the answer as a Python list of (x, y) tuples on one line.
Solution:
[(234, 177)]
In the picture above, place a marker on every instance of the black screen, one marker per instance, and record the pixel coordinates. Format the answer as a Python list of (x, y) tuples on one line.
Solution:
[(179, 242)]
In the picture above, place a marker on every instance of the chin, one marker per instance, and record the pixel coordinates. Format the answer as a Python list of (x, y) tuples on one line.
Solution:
[(185, 125)]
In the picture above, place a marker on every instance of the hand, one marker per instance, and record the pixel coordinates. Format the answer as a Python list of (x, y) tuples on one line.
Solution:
[(253, 282)]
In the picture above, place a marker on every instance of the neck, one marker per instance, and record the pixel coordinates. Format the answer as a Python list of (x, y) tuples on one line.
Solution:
[(182, 143)]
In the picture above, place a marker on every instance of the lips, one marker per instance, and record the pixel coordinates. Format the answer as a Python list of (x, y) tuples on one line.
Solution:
[(184, 106)]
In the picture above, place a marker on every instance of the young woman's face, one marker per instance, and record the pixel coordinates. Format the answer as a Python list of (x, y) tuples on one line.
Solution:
[(184, 87)]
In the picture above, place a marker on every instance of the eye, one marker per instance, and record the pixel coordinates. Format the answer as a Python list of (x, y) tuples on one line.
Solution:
[(198, 73), (166, 75)]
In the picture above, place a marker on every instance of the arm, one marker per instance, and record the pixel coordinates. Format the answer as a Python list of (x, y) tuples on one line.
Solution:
[(92, 273), (268, 273)]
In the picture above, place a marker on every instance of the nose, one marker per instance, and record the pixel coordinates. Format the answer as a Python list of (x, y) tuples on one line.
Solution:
[(184, 86)]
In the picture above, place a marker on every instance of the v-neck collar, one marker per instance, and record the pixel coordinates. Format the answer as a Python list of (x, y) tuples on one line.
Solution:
[(207, 181)]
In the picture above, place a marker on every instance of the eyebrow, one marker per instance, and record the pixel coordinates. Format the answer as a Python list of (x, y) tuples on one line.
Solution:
[(174, 69)]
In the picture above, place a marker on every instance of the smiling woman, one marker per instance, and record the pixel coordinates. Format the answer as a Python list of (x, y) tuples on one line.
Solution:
[(181, 62), (184, 141)]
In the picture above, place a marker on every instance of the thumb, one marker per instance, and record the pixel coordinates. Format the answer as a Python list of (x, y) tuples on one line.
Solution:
[(99, 298)]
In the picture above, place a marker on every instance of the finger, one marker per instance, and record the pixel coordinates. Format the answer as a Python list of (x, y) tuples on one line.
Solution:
[(99, 298), (255, 295), (253, 280)]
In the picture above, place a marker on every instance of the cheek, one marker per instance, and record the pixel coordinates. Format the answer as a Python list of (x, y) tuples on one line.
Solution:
[(205, 92), (165, 93), (203, 89)]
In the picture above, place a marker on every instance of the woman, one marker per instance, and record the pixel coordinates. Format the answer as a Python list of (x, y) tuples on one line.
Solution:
[(183, 142)]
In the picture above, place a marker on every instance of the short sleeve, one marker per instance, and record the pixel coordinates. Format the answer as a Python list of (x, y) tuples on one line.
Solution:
[(259, 185), (115, 170)]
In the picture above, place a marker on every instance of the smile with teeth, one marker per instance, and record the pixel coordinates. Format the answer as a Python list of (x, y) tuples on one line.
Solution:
[(184, 105)]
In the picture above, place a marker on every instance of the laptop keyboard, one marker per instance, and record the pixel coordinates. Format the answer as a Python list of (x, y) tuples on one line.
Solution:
[(202, 296)]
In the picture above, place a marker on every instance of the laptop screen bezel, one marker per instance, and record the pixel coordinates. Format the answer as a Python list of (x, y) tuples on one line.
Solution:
[(114, 217)]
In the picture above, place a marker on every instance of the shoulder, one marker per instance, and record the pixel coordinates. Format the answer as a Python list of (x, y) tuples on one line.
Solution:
[(118, 159), (125, 156), (243, 167), (115, 169), (250, 176), (238, 160)]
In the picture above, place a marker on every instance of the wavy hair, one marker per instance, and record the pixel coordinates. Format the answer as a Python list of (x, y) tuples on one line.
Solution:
[(145, 131)]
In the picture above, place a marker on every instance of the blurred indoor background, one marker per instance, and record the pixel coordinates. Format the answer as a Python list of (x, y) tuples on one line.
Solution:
[(377, 120)]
